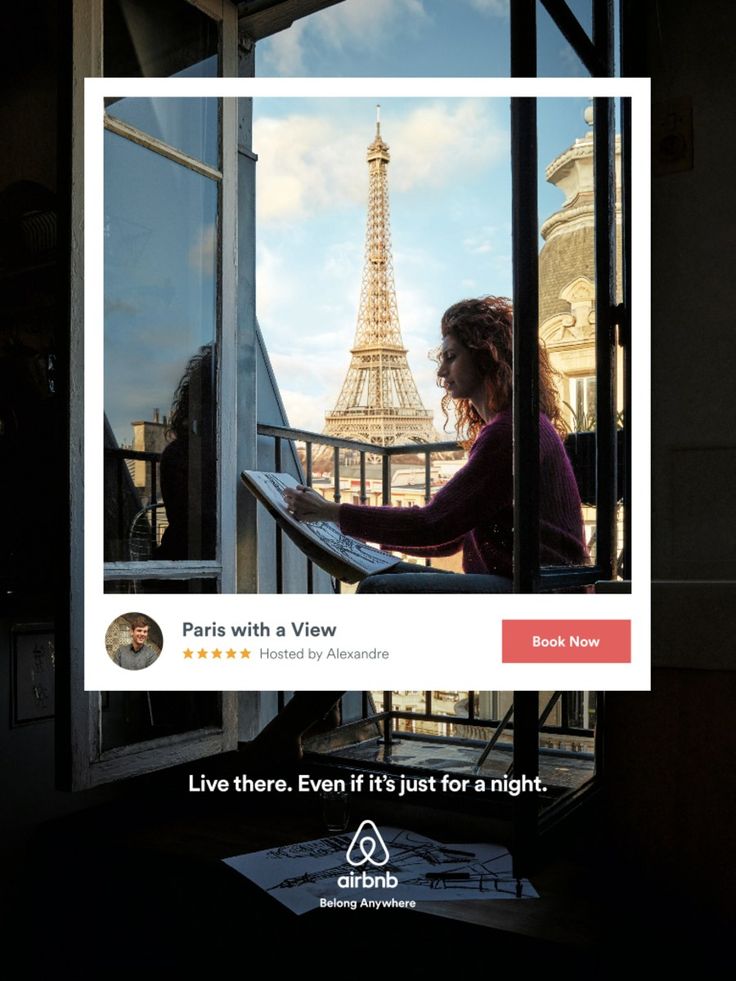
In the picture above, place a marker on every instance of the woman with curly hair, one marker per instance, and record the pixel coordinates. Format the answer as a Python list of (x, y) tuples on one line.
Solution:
[(473, 512)]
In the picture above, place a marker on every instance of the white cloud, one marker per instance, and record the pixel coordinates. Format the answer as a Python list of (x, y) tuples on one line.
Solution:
[(485, 240), (496, 8), (309, 367), (573, 66), (304, 411), (310, 381), (274, 287), (437, 144), (285, 51), (478, 248), (309, 164), (305, 165), (356, 25), (344, 261), (201, 255), (364, 22), (419, 318)]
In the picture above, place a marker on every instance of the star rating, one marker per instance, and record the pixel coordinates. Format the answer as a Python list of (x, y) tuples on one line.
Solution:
[(216, 654)]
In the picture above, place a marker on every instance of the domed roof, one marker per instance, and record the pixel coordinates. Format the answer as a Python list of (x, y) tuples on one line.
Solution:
[(562, 259)]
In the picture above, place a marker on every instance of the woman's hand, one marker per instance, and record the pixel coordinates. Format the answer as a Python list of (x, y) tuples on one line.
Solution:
[(307, 505)]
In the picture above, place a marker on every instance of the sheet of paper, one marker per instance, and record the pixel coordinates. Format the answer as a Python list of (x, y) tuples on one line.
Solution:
[(300, 875), (324, 533)]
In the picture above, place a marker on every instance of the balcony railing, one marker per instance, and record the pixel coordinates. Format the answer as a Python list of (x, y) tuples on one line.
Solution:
[(567, 733), (139, 515), (363, 452), (580, 448)]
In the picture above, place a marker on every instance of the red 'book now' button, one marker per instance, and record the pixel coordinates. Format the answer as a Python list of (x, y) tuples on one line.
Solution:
[(566, 641)]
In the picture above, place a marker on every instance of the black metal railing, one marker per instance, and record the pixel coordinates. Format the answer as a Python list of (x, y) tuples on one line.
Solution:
[(362, 452), (570, 722), (137, 502), (563, 718), (547, 578)]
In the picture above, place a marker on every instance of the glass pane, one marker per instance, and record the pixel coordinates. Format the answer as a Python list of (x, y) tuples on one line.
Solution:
[(160, 320), (161, 586), (191, 125), (567, 278), (452, 703), (392, 39), (555, 55), (156, 40), (136, 716)]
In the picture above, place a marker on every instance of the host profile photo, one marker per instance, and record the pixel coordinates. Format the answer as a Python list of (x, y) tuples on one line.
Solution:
[(134, 641)]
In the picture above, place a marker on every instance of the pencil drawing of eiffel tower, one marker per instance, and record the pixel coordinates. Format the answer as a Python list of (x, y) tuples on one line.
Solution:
[(379, 401)]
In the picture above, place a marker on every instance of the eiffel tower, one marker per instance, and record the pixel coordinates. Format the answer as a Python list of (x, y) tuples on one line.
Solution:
[(379, 401)]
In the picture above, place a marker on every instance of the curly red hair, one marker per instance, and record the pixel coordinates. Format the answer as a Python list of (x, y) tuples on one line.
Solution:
[(485, 325)]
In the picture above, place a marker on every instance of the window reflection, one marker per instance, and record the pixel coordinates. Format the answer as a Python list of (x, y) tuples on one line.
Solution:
[(136, 716), (158, 38), (191, 125), (160, 320), (188, 465)]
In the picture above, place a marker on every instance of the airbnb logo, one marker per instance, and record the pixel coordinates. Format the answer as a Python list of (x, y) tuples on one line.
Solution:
[(368, 842), (367, 847)]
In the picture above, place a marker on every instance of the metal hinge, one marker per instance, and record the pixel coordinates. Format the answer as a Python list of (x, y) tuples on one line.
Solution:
[(618, 319)]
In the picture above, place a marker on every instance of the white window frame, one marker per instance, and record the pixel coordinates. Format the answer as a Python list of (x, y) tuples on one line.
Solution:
[(580, 387)]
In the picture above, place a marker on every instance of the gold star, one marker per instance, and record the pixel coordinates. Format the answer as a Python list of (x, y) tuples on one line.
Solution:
[(231, 653), (216, 653), (244, 653), (188, 653), (202, 653)]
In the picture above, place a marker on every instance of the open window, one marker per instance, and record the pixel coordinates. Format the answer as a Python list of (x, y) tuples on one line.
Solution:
[(180, 192), (171, 341)]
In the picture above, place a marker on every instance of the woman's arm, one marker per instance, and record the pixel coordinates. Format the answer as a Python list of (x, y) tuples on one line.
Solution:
[(476, 493), (307, 505), (472, 498)]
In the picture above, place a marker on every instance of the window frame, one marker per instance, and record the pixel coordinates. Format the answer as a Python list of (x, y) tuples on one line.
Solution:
[(81, 760), (236, 522), (611, 328)]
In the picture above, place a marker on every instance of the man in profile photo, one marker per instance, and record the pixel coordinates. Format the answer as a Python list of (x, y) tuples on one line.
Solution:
[(138, 653)]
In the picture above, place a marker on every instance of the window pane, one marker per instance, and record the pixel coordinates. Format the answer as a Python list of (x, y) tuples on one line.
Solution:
[(555, 55), (138, 586), (191, 125), (136, 716), (567, 278), (160, 320), (402, 38), (159, 39)]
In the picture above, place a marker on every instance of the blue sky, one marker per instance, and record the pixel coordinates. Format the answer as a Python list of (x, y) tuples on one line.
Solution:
[(449, 181), (414, 38), (450, 203)]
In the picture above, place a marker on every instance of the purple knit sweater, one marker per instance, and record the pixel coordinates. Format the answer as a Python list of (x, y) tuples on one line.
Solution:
[(474, 510)]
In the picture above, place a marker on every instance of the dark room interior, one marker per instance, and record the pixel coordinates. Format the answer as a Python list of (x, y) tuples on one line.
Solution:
[(644, 856)]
